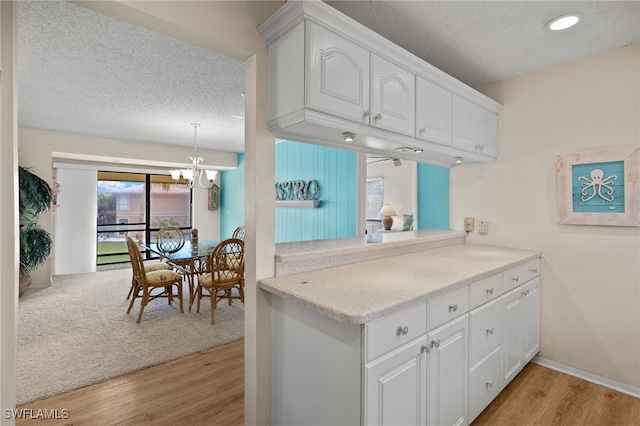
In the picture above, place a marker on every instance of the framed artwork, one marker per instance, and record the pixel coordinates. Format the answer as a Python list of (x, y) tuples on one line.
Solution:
[(599, 187), (214, 197)]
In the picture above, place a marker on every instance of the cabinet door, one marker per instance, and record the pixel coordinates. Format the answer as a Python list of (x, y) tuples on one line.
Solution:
[(512, 343), (433, 112), (448, 373), (395, 387), (531, 324), (485, 330), (474, 129), (337, 75), (392, 97)]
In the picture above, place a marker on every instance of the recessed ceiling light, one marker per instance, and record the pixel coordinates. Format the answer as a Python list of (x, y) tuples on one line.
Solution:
[(459, 160), (348, 136), (563, 22)]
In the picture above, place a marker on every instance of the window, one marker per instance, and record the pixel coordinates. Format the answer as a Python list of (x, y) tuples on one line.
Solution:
[(123, 202), (137, 205), (375, 198)]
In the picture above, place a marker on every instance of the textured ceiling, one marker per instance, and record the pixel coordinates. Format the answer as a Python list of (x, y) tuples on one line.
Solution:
[(83, 72), (480, 42)]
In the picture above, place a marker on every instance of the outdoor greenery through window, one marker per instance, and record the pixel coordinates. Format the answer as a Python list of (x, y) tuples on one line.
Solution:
[(375, 199), (137, 205)]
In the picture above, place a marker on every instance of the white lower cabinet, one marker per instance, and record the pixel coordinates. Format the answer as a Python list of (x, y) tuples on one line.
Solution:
[(395, 386), (448, 362), (521, 327), (440, 362)]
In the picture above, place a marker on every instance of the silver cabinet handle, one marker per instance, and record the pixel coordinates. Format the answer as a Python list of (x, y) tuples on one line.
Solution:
[(489, 383), (424, 129), (516, 279), (402, 331), (534, 270), (490, 291), (378, 116), (436, 343), (424, 349), (366, 114), (490, 330), (453, 307), (525, 292)]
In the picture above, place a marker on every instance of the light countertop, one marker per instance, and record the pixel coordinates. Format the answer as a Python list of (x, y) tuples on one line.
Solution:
[(304, 256), (361, 292)]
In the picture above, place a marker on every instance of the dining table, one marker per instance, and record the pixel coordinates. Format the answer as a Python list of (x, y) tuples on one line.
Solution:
[(189, 260)]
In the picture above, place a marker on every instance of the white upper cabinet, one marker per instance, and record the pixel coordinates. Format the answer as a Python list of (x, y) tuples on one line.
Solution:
[(392, 96), (433, 112), (338, 75), (474, 129), (329, 75)]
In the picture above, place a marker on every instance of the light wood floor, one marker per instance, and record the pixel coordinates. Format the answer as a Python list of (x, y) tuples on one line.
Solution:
[(541, 396), (208, 389), (202, 389)]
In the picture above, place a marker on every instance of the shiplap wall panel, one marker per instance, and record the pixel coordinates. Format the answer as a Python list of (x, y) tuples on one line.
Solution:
[(433, 197), (232, 199)]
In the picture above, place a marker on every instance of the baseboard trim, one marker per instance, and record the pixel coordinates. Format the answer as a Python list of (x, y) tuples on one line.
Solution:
[(590, 377)]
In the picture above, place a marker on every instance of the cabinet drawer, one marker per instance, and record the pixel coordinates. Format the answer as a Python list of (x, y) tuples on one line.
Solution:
[(445, 307), (485, 383), (519, 275), (387, 333), (485, 290), (485, 330)]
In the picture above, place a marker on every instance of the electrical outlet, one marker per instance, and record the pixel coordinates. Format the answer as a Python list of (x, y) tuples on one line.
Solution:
[(483, 227), (468, 224)]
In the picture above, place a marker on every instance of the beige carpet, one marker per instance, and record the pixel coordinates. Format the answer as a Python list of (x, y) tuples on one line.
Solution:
[(77, 333)]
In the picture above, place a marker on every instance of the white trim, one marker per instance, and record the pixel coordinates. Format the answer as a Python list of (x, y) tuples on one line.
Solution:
[(589, 377), (305, 204)]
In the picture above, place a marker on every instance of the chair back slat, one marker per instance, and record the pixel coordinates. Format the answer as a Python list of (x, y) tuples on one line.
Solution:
[(226, 262), (136, 261)]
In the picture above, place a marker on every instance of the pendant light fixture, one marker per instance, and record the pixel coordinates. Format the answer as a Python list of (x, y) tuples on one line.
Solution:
[(195, 172)]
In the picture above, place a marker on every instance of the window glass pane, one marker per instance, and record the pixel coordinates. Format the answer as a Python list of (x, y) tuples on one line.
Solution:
[(375, 197), (121, 212), (170, 206)]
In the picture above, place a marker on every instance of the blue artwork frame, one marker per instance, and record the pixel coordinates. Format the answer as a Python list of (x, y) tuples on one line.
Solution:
[(599, 187)]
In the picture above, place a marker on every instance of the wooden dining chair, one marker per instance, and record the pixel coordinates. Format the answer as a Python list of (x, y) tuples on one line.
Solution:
[(150, 285), (226, 274), (149, 267)]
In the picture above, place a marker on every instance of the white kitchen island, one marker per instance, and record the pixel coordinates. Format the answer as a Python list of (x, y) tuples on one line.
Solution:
[(428, 331)]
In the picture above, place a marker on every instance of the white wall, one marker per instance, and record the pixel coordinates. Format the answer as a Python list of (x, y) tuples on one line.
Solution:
[(590, 274), (75, 222), (399, 186)]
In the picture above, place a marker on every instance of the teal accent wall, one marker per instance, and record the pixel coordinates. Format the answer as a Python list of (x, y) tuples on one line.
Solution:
[(232, 199), (335, 171), (433, 197)]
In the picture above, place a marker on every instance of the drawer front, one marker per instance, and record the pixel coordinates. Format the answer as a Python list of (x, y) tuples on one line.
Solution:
[(513, 278), (387, 333), (531, 269), (485, 290), (485, 330), (448, 306), (485, 383)]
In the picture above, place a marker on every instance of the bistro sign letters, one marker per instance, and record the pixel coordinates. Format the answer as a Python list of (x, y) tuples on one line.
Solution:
[(297, 190)]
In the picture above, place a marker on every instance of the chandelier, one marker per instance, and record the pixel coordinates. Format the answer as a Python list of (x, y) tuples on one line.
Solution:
[(194, 173)]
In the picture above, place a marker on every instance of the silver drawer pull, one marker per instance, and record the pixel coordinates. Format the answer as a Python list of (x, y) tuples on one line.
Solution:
[(424, 349), (534, 270), (490, 330), (516, 279), (366, 114), (378, 116), (489, 383), (402, 331), (435, 343), (489, 291), (453, 308)]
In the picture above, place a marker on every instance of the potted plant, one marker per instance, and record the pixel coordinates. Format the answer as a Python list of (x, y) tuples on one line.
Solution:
[(35, 243)]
